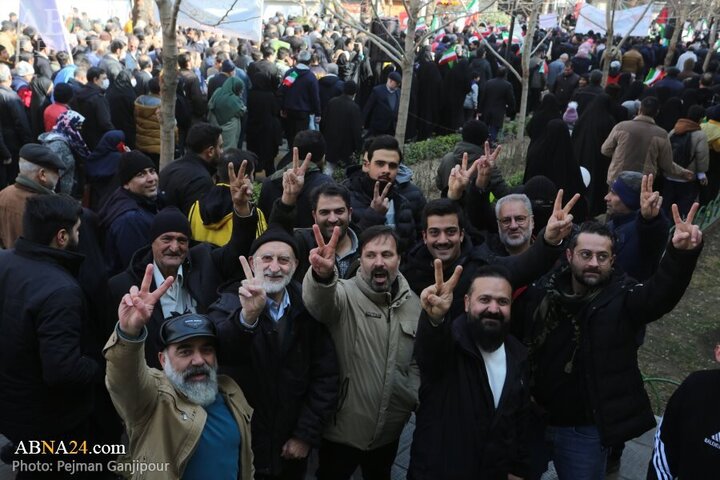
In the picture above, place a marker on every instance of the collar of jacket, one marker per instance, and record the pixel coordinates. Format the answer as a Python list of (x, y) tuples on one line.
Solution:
[(644, 118), (402, 292), (32, 185), (66, 259), (684, 125)]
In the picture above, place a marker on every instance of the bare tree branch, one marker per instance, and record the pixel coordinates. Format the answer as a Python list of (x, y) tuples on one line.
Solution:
[(432, 32), (502, 59), (547, 35)]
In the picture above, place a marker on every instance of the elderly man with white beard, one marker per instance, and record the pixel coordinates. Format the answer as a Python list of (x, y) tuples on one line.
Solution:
[(185, 421), (283, 359)]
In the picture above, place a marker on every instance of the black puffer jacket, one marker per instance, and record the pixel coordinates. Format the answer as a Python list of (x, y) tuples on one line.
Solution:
[(459, 433), (292, 386), (361, 188), (205, 268), (609, 325), (46, 372)]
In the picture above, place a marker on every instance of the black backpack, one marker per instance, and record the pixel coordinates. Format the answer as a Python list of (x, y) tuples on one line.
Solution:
[(682, 148)]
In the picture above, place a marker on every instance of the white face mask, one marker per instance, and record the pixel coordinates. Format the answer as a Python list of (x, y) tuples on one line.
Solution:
[(105, 84), (133, 82)]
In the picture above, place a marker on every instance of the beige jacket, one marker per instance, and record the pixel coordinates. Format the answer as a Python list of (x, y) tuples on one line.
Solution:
[(374, 334), (163, 426), (638, 145)]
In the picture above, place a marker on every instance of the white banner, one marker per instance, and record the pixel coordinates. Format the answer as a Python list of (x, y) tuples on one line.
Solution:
[(46, 17), (237, 18), (548, 21), (593, 18)]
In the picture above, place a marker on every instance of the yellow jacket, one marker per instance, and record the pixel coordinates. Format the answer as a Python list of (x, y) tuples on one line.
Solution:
[(211, 217)]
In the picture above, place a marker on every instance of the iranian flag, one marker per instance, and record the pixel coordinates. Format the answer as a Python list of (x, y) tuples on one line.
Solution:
[(654, 76), (449, 57), (290, 79)]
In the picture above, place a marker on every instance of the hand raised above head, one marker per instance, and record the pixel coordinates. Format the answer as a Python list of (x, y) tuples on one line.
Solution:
[(650, 202), (380, 202), (241, 189), (559, 224), (686, 236)]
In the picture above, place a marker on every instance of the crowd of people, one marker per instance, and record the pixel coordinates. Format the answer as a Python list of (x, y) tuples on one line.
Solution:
[(229, 314)]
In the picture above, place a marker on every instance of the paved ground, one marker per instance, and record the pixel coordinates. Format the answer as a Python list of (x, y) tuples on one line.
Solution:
[(634, 462)]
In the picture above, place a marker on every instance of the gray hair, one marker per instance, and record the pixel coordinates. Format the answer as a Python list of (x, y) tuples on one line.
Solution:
[(27, 168), (513, 197), (5, 74)]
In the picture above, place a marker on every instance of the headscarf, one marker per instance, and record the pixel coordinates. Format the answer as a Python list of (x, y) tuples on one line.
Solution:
[(670, 112), (40, 87), (122, 86), (104, 159), (549, 109), (226, 103), (68, 125)]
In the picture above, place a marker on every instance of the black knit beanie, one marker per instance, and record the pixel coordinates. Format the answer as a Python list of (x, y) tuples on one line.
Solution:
[(131, 163), (169, 219), (275, 233), (475, 132)]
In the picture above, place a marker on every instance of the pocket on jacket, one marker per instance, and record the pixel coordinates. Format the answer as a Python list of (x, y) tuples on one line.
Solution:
[(406, 345)]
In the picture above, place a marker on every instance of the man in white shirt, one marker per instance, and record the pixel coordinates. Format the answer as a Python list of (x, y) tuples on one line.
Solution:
[(472, 419)]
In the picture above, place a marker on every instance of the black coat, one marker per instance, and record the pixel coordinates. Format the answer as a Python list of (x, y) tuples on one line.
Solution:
[(565, 87), (292, 384), (609, 327), (185, 180), (92, 104), (341, 125), (459, 434), (496, 100), (206, 267), (266, 69), (361, 188), (264, 130), (46, 373), (379, 115), (15, 124), (330, 86)]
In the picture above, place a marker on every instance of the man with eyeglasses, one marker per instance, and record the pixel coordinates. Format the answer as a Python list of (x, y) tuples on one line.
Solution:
[(583, 320)]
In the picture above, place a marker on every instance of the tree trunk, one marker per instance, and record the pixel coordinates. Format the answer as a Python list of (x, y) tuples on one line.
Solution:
[(608, 53), (526, 54), (408, 59), (679, 26), (142, 10), (711, 44), (168, 86)]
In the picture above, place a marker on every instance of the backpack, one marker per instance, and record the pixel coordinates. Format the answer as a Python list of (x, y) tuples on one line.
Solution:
[(682, 148)]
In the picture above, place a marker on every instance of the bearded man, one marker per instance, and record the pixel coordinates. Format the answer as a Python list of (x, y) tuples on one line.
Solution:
[(474, 399), (584, 319), (47, 372), (283, 359), (372, 318), (185, 420)]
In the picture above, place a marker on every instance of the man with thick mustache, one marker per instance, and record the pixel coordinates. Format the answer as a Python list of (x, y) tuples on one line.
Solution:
[(198, 270), (372, 318), (584, 319), (472, 419), (185, 420), (283, 359)]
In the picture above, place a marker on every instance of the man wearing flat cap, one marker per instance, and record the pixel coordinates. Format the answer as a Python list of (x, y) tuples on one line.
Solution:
[(186, 420), (381, 109), (283, 359), (127, 214), (198, 271), (39, 174)]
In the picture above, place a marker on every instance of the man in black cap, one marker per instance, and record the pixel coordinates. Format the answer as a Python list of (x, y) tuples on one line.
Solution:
[(186, 420), (283, 359), (39, 173), (381, 110), (127, 215), (47, 372), (199, 270)]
